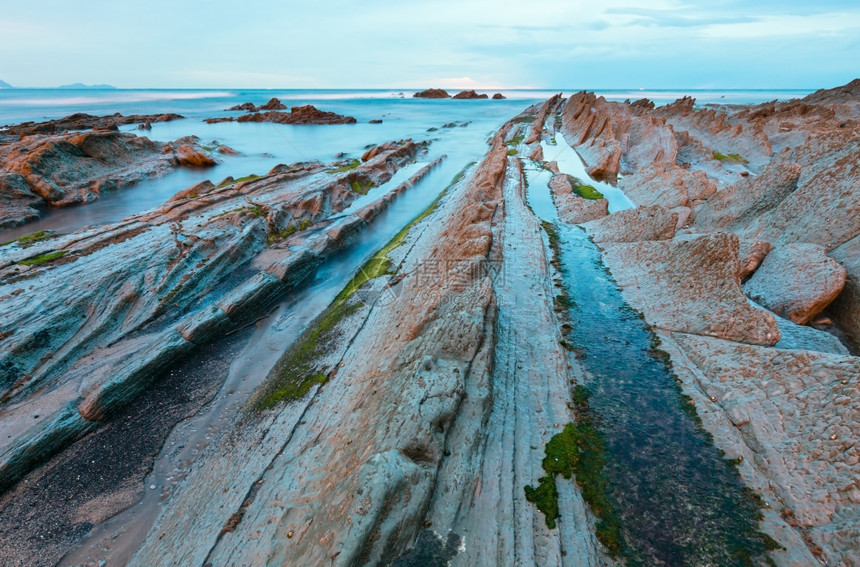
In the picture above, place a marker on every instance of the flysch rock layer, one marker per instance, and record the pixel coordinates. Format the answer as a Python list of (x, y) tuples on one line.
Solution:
[(439, 386), (426, 446), (81, 121), (751, 170), (149, 290), (691, 286), (57, 170), (792, 418)]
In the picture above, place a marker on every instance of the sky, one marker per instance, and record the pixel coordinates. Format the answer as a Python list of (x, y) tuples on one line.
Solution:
[(544, 44)]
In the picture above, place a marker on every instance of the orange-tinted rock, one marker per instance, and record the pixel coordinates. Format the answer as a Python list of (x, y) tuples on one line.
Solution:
[(189, 156), (71, 168), (273, 104), (469, 95), (572, 208), (298, 115), (432, 93), (246, 106), (690, 286)]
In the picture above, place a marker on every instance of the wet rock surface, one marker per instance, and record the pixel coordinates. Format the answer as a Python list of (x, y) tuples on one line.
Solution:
[(137, 287)]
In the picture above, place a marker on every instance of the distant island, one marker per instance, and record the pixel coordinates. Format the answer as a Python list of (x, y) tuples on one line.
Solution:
[(75, 86), (83, 86)]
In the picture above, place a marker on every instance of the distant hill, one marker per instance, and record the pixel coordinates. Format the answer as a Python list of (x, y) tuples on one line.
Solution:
[(5, 85), (83, 86)]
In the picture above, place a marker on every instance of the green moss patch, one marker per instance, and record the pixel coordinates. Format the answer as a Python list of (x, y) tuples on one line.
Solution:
[(298, 369), (730, 158), (583, 190), (251, 177), (516, 141), (43, 258), (361, 186), (30, 239), (555, 246), (354, 163), (580, 451)]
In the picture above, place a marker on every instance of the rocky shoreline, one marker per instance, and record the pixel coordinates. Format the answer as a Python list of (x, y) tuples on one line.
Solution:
[(405, 423)]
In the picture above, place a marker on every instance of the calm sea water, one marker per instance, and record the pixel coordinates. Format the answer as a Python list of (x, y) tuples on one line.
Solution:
[(262, 146)]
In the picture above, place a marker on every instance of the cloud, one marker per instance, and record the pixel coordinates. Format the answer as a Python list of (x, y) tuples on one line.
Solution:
[(383, 43)]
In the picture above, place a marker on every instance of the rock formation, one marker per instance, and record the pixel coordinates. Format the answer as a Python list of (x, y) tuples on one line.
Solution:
[(572, 208), (438, 407), (273, 104), (796, 281), (141, 277)]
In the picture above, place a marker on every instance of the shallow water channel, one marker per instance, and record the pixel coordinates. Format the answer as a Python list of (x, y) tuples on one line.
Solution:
[(675, 497)]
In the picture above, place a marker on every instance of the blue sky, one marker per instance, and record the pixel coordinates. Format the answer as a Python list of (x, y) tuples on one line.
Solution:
[(449, 43)]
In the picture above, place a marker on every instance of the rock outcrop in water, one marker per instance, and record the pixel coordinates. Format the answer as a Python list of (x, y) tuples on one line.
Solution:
[(416, 414), (273, 104), (469, 95), (82, 121), (65, 169), (298, 115), (432, 93)]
